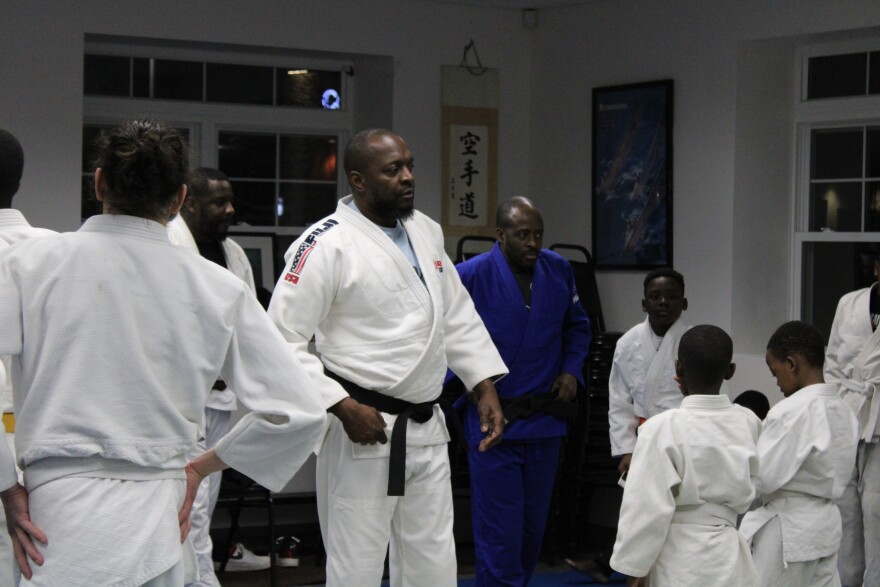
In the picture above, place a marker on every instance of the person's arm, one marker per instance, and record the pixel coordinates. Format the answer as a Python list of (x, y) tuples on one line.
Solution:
[(622, 421), (833, 369), (648, 504), (783, 446), (575, 344), (299, 304), (472, 355)]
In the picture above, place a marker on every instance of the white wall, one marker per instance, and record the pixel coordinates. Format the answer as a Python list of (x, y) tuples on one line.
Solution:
[(730, 242)]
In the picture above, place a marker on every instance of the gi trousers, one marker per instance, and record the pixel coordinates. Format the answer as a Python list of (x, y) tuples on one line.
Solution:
[(359, 520), (859, 557), (511, 489)]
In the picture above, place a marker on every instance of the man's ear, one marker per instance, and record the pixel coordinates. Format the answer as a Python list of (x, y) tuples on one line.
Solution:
[(179, 199), (684, 304), (499, 233), (678, 370), (356, 180), (730, 371), (100, 185)]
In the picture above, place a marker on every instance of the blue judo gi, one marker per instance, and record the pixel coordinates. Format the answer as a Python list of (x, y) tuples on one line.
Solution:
[(512, 484)]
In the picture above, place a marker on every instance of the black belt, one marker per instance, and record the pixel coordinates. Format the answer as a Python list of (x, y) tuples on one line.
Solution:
[(529, 405), (404, 410)]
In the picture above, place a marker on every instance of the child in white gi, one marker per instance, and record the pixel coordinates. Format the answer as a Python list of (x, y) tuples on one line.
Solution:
[(807, 452), (691, 475)]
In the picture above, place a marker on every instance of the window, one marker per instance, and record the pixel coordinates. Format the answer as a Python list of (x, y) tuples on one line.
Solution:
[(837, 222), (274, 128), (232, 83)]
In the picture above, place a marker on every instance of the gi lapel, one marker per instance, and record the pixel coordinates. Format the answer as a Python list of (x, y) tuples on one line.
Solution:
[(662, 361)]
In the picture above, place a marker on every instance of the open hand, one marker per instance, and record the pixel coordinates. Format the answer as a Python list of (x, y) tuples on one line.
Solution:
[(21, 529)]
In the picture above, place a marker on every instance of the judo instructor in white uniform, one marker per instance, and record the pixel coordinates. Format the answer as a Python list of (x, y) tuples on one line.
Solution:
[(116, 337), (388, 312)]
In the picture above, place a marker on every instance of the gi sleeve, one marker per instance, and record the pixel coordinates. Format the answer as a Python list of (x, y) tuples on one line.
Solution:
[(302, 300), (470, 352), (287, 415), (648, 503), (783, 446), (10, 344), (622, 421), (575, 333)]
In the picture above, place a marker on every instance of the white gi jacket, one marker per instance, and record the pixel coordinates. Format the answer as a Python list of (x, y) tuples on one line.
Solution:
[(807, 452), (13, 228), (117, 335), (375, 323), (692, 472), (849, 362), (642, 382), (237, 262)]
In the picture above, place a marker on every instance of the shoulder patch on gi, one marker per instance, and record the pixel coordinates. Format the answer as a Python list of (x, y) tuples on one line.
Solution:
[(438, 265), (304, 250)]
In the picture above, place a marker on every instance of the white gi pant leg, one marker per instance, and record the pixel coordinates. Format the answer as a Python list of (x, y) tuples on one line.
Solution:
[(767, 554), (217, 424), (859, 560), (9, 573), (358, 518)]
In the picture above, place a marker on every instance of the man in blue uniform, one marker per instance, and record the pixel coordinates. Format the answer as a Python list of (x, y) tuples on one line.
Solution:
[(526, 296)]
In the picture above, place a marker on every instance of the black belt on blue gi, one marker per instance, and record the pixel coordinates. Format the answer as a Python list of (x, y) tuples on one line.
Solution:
[(404, 411), (544, 403)]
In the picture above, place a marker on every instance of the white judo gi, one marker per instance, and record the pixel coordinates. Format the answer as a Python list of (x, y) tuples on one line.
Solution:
[(692, 473), (641, 384), (807, 452), (14, 227), (116, 337), (379, 326), (848, 363), (218, 412)]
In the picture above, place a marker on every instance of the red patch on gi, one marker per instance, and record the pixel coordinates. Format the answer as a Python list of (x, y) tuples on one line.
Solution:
[(438, 265)]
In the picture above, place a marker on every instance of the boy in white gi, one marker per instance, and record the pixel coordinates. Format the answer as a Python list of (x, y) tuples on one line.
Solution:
[(691, 474), (642, 381), (807, 451), (116, 337), (852, 363)]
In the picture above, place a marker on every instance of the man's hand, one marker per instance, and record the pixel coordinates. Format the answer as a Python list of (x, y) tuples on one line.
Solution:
[(491, 416), (362, 423), (623, 466), (21, 529), (566, 387), (635, 582), (193, 480)]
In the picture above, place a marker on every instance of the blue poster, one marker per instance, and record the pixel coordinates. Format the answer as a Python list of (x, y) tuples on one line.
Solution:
[(632, 211)]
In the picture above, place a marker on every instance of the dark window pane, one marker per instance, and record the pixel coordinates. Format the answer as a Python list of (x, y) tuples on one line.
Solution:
[(834, 76), (872, 206), (836, 206), (309, 88), (249, 155), (105, 75), (304, 157), (177, 80), (836, 154), (874, 73), (141, 70), (829, 271), (240, 84), (254, 202), (303, 204), (872, 152), (89, 205)]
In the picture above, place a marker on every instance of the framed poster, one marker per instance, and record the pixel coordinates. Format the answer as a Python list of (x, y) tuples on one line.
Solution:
[(632, 175)]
